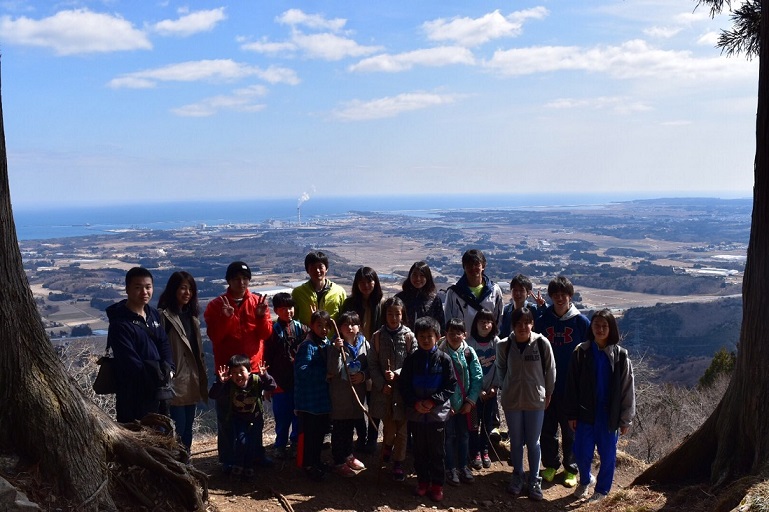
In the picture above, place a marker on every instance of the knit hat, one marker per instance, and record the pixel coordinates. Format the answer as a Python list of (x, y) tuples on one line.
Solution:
[(237, 267)]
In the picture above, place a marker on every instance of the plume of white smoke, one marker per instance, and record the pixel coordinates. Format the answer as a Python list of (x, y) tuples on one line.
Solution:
[(303, 199)]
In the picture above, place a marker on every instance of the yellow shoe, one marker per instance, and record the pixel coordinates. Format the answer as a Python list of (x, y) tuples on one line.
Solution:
[(548, 474), (569, 479)]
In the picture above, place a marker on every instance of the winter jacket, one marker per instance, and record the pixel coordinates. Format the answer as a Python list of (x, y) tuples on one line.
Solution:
[(524, 381), (564, 334), (467, 371), (310, 385), (462, 303), (140, 348), (389, 350), (581, 389), (244, 403), (280, 352), (427, 375), (329, 299), (344, 406), (487, 357), (190, 382), (241, 333), (375, 321), (419, 305)]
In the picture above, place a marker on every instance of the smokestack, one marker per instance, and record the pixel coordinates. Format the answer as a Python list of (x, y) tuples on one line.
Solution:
[(302, 199)]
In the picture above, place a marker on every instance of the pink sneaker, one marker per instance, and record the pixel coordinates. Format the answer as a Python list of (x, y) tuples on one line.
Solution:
[(344, 470), (354, 463)]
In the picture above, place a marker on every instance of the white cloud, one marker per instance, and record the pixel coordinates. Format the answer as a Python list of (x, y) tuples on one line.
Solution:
[(192, 23), (617, 104), (662, 32), (294, 17), (328, 46), (432, 57), (392, 106), (212, 70), (269, 48), (680, 122), (477, 31), (241, 100), (75, 32), (709, 39), (632, 59)]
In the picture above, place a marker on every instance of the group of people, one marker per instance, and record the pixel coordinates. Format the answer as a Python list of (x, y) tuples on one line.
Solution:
[(431, 373)]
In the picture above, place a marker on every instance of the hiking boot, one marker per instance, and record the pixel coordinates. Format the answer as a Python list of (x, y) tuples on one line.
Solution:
[(344, 470), (485, 459), (535, 491), (421, 489), (398, 474), (569, 479), (452, 476), (597, 496), (583, 490), (466, 475), (515, 487), (354, 463), (548, 474), (436, 492), (476, 463)]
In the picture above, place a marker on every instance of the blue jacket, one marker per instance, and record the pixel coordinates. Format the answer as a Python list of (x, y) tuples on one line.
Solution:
[(310, 385), (139, 359), (427, 375), (461, 303)]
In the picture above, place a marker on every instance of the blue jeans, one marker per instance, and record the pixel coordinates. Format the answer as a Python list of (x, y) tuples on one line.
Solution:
[(247, 441), (183, 416), (586, 439), (457, 441), (285, 419), (524, 428)]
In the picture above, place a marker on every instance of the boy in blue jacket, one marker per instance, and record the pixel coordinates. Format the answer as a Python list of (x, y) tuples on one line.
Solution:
[(427, 383)]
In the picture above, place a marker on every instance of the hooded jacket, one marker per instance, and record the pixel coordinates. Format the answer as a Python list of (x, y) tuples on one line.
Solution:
[(524, 382), (462, 303), (427, 375), (344, 406), (241, 333), (388, 350), (564, 334), (467, 371), (581, 389), (137, 358)]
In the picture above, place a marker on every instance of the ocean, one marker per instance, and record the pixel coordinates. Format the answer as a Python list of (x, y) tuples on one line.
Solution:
[(59, 222)]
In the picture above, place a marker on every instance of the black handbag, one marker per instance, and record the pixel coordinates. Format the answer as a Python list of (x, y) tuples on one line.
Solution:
[(105, 383)]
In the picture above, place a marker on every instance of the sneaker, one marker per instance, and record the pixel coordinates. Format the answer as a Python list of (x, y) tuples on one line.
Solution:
[(398, 474), (476, 463), (569, 479), (516, 484), (265, 462), (315, 473), (436, 492), (485, 459), (354, 463), (582, 491), (597, 496), (421, 489), (226, 469), (466, 475), (387, 453), (535, 491), (452, 476), (548, 474), (281, 452), (237, 470), (495, 435), (344, 470), (248, 474)]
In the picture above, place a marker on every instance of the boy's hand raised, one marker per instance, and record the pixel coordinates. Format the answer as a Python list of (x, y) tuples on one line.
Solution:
[(223, 372), (261, 305), (227, 308)]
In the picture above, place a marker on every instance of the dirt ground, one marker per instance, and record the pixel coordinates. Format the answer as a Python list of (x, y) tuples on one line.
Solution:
[(285, 487)]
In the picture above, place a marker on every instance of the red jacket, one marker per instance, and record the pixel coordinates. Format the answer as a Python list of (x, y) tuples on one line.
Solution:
[(241, 333)]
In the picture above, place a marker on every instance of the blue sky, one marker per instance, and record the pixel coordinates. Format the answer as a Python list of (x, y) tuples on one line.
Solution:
[(125, 102)]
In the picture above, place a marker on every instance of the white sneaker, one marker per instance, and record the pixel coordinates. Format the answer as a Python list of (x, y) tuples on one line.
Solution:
[(582, 491), (597, 496), (354, 463)]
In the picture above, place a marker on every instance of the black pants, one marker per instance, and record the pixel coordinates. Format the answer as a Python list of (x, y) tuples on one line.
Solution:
[(429, 451), (312, 428), (341, 439), (555, 416)]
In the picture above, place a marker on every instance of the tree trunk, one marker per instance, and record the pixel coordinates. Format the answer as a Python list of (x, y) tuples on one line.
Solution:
[(734, 441), (47, 421)]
